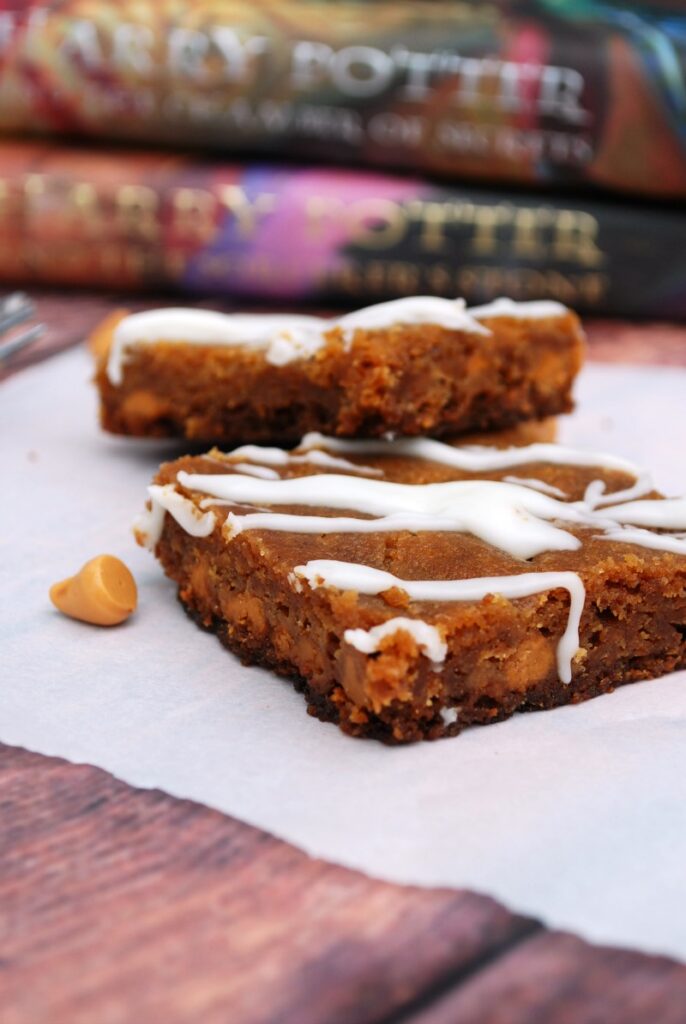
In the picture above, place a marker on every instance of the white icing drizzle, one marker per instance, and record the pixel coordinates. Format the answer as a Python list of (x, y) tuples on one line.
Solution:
[(481, 459), (595, 495), (514, 519), (363, 579), (536, 485), (149, 524), (449, 715), (285, 338), (165, 498), (263, 472), (280, 457), (662, 514), (538, 310), (295, 342), (416, 309), (645, 539), (427, 637), (206, 503)]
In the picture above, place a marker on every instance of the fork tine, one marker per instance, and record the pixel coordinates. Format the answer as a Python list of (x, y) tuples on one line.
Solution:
[(13, 300), (15, 309), (19, 341)]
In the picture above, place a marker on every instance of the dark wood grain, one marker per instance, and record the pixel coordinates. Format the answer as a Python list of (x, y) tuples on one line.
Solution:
[(115, 899), (122, 906), (557, 977)]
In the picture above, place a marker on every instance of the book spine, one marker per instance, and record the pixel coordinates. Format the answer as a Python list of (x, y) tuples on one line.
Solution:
[(152, 220), (545, 91)]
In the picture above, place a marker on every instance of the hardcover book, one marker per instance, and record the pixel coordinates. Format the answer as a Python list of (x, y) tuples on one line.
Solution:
[(151, 220), (545, 91)]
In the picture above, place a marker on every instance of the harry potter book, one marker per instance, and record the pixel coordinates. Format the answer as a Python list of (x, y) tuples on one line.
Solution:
[(557, 92), (151, 220)]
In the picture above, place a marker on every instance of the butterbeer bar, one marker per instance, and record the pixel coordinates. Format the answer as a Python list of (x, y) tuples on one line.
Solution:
[(420, 365), (412, 588)]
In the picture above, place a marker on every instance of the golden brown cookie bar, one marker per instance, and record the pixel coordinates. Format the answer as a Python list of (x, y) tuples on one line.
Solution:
[(412, 588), (416, 366)]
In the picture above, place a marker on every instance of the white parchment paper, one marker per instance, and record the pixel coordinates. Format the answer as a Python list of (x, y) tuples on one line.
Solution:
[(577, 816)]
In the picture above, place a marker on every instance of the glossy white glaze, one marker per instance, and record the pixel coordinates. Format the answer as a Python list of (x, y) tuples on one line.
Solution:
[(538, 310), (285, 338), (427, 637), (315, 457), (165, 498), (363, 579), (536, 485), (482, 459), (514, 519), (416, 309)]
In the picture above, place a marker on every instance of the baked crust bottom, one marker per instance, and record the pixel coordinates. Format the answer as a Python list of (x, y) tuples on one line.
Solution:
[(403, 726)]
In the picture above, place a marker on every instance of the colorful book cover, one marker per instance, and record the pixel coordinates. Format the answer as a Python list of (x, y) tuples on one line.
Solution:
[(151, 220), (565, 92)]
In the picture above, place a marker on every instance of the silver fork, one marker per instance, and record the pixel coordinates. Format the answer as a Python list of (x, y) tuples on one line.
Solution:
[(16, 309)]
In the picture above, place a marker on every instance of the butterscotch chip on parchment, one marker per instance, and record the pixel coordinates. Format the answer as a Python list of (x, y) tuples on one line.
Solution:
[(103, 592)]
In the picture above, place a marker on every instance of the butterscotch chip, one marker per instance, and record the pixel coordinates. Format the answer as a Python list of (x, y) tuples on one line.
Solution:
[(103, 592)]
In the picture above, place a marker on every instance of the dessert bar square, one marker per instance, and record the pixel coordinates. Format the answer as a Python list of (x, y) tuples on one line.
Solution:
[(420, 365), (411, 588)]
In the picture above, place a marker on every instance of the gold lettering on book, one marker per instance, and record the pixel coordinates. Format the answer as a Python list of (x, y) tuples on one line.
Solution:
[(527, 241), (433, 217), (458, 228), (535, 233), (404, 278), (69, 260), (439, 279), (376, 223), (212, 44), (480, 283), (487, 220), (34, 188), (187, 50), (213, 56), (81, 44), (576, 238), (248, 213), (136, 210), (132, 47), (193, 214), (389, 278), (87, 207)]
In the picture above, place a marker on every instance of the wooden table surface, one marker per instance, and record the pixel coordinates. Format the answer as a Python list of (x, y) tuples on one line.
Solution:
[(125, 906)]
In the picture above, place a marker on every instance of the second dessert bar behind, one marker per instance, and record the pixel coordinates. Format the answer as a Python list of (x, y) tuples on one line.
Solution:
[(421, 365)]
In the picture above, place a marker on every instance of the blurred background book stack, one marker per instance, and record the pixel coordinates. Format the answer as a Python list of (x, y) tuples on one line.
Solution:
[(348, 152)]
